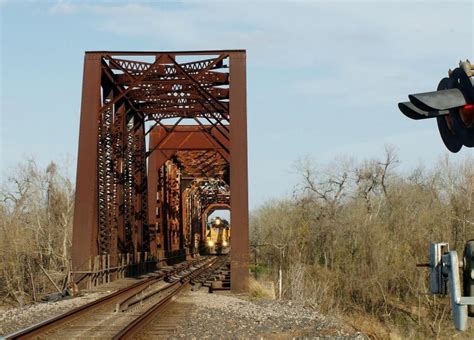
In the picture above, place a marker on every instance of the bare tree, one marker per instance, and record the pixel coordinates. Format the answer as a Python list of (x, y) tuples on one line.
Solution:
[(352, 236), (36, 209)]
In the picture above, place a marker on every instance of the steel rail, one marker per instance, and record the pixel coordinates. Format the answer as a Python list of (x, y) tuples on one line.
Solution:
[(54, 322), (44, 326), (141, 321), (141, 296), (137, 324)]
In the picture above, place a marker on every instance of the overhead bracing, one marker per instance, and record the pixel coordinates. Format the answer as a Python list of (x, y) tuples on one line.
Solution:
[(162, 144)]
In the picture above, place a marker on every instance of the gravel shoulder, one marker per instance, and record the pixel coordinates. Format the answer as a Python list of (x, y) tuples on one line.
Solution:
[(228, 316), (13, 319)]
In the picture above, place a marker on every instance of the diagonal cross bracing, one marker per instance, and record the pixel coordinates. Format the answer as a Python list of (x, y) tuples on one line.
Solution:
[(149, 198)]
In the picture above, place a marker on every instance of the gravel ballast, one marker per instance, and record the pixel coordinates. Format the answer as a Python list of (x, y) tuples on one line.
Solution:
[(210, 316), (228, 316), (14, 319)]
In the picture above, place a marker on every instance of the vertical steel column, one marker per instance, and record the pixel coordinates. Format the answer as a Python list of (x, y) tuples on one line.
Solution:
[(152, 182), (85, 227), (238, 173), (147, 232), (120, 142), (140, 221)]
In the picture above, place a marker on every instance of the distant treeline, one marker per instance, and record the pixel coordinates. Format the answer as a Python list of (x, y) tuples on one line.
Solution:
[(349, 237)]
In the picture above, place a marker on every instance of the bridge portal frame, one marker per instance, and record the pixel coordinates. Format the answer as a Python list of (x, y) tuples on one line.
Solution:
[(86, 216)]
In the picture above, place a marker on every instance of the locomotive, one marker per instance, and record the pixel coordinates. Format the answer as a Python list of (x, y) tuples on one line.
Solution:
[(218, 236)]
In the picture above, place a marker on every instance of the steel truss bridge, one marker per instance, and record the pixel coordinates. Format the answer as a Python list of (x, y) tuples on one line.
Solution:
[(162, 144)]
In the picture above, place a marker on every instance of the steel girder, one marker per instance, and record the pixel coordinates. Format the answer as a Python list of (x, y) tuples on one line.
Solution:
[(187, 158), (134, 199)]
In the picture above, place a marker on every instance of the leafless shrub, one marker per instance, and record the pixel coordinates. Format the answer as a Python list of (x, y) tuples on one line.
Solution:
[(36, 209), (350, 237)]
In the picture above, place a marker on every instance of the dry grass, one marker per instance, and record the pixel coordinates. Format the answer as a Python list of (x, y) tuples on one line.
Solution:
[(258, 291)]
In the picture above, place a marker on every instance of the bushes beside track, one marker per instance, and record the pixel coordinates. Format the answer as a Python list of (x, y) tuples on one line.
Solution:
[(351, 234), (36, 208)]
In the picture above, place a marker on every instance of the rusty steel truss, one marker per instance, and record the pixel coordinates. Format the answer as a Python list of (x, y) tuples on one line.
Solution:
[(162, 144)]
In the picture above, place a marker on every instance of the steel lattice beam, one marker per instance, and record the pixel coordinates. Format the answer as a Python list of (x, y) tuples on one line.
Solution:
[(133, 199)]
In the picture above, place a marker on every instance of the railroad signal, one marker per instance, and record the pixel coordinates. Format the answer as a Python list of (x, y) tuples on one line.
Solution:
[(452, 105)]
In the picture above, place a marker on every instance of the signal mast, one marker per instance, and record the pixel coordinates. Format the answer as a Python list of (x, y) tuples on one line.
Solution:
[(452, 104)]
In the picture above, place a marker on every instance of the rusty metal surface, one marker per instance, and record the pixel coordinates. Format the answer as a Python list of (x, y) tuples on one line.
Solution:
[(133, 199), (139, 324), (239, 175), (87, 321), (85, 231), (72, 314)]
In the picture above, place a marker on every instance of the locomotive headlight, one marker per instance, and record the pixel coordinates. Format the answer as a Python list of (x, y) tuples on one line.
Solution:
[(210, 243), (225, 244), (218, 221)]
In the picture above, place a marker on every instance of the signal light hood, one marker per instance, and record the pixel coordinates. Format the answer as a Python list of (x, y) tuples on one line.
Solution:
[(411, 111), (438, 100), (452, 105)]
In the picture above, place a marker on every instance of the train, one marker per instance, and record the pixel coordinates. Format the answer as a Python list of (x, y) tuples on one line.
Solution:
[(218, 236)]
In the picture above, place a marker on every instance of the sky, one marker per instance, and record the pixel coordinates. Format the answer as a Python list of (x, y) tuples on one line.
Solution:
[(323, 77)]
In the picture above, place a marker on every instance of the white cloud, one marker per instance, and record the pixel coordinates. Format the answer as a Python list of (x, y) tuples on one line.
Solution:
[(64, 7), (369, 53), (331, 72), (296, 34)]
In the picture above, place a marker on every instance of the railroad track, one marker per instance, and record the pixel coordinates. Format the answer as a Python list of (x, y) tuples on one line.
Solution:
[(161, 321), (127, 312)]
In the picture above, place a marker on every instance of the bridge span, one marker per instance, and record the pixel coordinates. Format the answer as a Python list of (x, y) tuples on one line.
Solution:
[(162, 144)]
